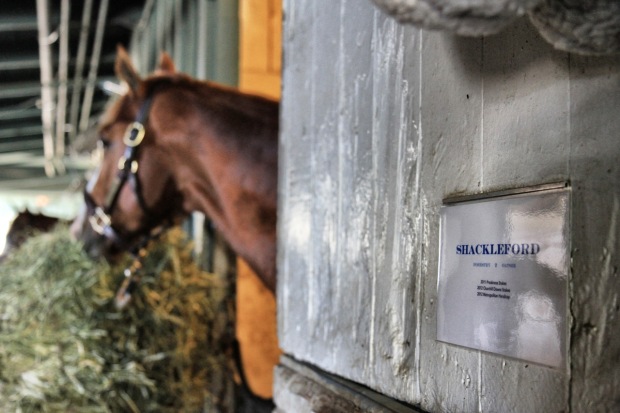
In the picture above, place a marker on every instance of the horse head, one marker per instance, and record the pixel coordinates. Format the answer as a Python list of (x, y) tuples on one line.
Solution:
[(131, 193)]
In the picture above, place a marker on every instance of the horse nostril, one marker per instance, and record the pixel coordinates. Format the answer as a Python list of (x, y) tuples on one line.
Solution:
[(91, 247), (98, 247)]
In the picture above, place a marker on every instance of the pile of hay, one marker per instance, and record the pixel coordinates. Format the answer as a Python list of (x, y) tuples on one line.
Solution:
[(65, 348)]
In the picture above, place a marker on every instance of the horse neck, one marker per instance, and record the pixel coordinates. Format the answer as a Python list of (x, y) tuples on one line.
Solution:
[(226, 164), (212, 117)]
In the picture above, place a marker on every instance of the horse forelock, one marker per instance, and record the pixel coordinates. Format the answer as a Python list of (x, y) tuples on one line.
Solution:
[(115, 112)]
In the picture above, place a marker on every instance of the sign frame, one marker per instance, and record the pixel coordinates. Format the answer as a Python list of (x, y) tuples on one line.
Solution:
[(503, 273)]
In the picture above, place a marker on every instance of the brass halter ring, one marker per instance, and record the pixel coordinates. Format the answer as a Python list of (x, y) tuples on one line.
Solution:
[(99, 221), (132, 139)]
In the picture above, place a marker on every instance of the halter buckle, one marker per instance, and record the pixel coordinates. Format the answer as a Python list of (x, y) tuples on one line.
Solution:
[(122, 161), (99, 221), (134, 135), (127, 288)]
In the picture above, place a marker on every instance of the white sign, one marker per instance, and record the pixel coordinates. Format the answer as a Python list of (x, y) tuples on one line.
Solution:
[(503, 276)]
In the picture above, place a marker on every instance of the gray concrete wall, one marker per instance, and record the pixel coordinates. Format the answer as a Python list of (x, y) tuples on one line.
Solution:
[(380, 122)]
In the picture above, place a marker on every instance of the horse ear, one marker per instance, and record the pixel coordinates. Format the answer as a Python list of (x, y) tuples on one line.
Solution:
[(125, 71), (166, 64)]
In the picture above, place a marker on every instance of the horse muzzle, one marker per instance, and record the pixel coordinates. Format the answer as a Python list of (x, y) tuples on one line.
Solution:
[(96, 235)]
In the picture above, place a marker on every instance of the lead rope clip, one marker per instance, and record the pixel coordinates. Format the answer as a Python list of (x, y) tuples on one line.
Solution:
[(133, 275)]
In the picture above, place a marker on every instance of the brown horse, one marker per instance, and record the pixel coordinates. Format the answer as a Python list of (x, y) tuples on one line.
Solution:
[(173, 145)]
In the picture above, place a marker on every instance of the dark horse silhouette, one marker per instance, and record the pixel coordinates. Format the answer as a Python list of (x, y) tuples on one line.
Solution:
[(25, 225), (173, 145)]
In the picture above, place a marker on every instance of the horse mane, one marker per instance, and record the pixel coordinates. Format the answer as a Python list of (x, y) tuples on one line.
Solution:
[(232, 112)]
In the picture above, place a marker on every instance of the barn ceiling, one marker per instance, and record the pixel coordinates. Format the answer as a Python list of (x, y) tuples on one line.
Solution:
[(56, 63)]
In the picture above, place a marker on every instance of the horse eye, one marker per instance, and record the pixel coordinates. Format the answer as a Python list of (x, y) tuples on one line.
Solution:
[(105, 142)]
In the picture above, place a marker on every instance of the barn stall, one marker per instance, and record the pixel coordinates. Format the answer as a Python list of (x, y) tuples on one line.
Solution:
[(403, 145), (389, 131)]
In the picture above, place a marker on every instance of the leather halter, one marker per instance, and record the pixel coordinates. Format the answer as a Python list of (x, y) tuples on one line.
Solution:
[(101, 221)]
